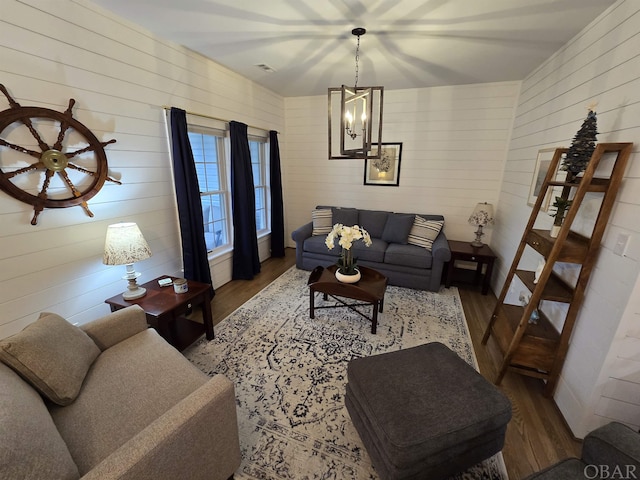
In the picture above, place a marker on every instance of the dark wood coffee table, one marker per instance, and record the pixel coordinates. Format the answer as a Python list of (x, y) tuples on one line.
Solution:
[(369, 290)]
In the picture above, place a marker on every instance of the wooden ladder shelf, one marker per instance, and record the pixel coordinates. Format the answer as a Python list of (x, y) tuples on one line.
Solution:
[(539, 349)]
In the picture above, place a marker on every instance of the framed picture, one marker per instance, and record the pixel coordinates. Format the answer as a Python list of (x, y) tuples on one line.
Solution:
[(543, 163), (386, 169)]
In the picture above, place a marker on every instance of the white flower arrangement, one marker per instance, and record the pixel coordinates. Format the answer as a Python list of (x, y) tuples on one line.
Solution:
[(347, 235)]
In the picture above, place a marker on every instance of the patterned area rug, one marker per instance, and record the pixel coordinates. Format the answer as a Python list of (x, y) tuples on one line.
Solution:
[(290, 373)]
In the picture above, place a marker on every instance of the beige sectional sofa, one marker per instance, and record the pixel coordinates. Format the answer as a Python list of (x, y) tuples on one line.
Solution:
[(111, 399)]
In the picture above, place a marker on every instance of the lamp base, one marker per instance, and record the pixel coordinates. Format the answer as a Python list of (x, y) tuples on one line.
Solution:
[(138, 292), (133, 289), (478, 240)]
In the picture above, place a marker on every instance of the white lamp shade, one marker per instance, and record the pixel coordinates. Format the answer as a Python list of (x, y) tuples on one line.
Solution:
[(124, 244), (482, 214)]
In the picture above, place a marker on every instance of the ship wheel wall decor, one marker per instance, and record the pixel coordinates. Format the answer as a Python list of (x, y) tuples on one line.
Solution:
[(49, 159)]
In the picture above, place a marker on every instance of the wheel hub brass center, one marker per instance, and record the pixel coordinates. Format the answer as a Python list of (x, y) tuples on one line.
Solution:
[(54, 160)]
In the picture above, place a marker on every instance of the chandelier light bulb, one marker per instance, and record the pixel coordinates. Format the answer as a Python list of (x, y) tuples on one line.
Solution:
[(349, 119)]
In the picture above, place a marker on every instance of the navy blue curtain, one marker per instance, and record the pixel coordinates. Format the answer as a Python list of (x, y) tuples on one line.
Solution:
[(246, 262), (277, 212), (194, 249)]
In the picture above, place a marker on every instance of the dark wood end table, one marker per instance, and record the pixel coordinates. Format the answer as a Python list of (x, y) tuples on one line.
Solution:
[(165, 311), (464, 251), (369, 290)]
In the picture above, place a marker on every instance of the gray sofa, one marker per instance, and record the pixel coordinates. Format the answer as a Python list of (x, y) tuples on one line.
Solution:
[(404, 264), (109, 400), (611, 451)]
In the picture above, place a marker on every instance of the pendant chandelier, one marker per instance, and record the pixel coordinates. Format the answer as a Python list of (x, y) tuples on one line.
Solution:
[(355, 117)]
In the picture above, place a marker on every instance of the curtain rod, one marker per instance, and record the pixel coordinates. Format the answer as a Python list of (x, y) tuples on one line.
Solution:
[(166, 107)]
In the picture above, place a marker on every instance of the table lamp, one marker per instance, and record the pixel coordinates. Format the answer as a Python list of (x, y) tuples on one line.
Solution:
[(482, 215), (125, 245)]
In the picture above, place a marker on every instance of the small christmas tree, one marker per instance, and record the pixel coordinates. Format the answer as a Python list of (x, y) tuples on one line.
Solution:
[(582, 147)]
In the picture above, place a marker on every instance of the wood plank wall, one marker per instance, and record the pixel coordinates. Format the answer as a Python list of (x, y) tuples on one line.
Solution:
[(600, 380), (120, 76), (455, 144), (454, 147)]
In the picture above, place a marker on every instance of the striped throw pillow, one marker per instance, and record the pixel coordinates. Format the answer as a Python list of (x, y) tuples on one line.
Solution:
[(424, 232), (322, 221)]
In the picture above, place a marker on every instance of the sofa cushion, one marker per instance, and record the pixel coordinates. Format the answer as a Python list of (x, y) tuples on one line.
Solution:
[(345, 216), (397, 228), (52, 355), (322, 221), (128, 387), (408, 256), (316, 245), (373, 253), (30, 445), (424, 232), (373, 221)]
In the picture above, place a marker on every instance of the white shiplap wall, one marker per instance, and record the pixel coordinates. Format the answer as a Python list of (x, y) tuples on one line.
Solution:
[(454, 146), (455, 143), (617, 392), (120, 76), (600, 64)]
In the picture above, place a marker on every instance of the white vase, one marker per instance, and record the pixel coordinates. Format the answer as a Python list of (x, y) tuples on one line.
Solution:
[(348, 278), (555, 230)]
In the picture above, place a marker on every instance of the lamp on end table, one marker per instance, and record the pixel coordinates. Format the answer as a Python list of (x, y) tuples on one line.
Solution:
[(482, 215), (125, 245)]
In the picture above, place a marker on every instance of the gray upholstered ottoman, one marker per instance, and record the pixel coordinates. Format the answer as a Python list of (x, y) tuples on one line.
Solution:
[(424, 413)]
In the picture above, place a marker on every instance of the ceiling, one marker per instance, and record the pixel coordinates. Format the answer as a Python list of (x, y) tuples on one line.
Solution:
[(408, 44)]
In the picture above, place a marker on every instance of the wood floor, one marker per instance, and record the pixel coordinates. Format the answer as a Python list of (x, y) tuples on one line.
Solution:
[(537, 435)]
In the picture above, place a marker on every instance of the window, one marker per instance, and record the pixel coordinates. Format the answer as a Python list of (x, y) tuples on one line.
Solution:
[(208, 150), (259, 164), (209, 147)]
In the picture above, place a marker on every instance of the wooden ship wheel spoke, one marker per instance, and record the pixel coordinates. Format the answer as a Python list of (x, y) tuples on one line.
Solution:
[(89, 167), (19, 148)]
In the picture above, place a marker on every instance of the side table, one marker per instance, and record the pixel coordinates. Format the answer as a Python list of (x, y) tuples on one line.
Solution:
[(465, 251), (165, 311)]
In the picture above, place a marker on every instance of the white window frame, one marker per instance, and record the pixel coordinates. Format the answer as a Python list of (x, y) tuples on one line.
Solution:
[(262, 188), (224, 185)]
